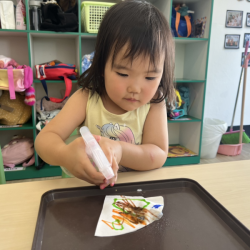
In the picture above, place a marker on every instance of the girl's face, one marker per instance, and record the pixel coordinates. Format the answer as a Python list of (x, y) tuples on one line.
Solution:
[(130, 86)]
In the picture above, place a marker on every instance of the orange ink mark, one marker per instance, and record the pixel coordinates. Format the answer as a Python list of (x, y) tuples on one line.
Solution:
[(107, 223)]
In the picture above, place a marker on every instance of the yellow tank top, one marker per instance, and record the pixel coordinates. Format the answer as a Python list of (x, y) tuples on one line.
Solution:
[(127, 127)]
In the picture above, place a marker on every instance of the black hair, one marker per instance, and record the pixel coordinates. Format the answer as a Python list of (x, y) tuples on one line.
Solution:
[(145, 30)]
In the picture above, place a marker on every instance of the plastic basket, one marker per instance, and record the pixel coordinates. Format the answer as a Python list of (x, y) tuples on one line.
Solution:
[(92, 14), (230, 149)]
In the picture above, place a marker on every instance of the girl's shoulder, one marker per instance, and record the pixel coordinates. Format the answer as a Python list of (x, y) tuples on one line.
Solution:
[(158, 106), (79, 98), (81, 93)]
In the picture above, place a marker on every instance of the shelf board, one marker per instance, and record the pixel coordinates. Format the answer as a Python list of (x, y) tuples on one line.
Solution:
[(88, 35), (27, 125), (31, 172), (189, 39), (43, 33), (193, 119), (181, 161), (7, 32), (185, 80), (53, 81)]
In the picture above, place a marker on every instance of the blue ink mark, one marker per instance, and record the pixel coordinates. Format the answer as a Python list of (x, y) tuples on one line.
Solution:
[(156, 206)]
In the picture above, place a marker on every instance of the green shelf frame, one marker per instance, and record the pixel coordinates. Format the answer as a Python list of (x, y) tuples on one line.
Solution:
[(31, 172), (82, 34), (189, 39), (184, 80), (16, 31), (28, 125), (181, 161), (52, 81), (192, 159)]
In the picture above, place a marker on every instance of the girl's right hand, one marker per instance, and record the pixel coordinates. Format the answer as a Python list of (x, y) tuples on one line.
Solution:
[(77, 162), (113, 151)]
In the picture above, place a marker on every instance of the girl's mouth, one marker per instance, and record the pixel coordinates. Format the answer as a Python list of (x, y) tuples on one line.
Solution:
[(131, 99)]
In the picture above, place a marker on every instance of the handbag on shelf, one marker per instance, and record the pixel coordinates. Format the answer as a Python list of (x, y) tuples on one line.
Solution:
[(14, 112), (15, 79), (60, 71)]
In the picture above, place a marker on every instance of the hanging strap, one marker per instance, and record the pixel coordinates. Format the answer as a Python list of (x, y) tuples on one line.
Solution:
[(177, 7), (68, 84), (28, 76), (177, 22), (11, 83)]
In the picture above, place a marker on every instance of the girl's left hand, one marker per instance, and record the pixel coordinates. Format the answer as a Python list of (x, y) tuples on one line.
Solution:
[(113, 151)]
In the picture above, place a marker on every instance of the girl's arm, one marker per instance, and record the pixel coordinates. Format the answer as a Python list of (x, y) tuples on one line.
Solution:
[(50, 143), (153, 151)]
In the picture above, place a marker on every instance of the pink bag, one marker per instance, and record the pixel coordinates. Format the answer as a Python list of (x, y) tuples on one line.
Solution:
[(19, 150), (16, 79)]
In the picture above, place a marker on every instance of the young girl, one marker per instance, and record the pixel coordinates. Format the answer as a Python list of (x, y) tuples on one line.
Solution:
[(122, 99)]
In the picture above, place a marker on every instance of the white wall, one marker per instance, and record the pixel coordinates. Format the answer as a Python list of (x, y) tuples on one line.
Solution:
[(224, 66)]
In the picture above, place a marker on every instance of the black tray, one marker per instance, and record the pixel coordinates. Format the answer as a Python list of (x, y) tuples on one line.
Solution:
[(192, 219)]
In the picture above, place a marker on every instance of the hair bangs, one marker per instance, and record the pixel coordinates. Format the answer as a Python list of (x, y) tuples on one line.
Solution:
[(142, 30), (140, 36)]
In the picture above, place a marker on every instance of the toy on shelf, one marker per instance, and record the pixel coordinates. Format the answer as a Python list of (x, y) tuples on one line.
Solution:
[(182, 104), (175, 112), (181, 22), (184, 93)]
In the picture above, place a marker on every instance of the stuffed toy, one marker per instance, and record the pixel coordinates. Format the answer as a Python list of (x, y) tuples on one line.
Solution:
[(6, 62)]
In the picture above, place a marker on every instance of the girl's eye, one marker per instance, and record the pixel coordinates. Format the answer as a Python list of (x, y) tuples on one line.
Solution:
[(150, 78), (120, 74)]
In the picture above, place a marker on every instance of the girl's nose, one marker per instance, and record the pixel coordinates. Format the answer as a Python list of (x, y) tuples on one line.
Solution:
[(134, 88)]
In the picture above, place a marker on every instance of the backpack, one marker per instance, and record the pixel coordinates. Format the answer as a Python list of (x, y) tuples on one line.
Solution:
[(181, 25), (19, 150)]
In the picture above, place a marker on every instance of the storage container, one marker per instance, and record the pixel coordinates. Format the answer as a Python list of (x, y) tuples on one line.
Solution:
[(92, 14)]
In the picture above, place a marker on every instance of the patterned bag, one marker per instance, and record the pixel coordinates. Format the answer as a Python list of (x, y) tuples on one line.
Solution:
[(59, 71)]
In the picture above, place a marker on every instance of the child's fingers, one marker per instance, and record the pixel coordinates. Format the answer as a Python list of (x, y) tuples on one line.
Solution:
[(112, 181), (103, 185), (115, 168), (112, 161), (97, 137), (92, 174)]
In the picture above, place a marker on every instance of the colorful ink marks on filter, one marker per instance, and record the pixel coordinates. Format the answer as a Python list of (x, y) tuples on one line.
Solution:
[(121, 215)]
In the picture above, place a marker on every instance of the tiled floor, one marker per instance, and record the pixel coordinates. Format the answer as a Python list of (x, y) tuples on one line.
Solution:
[(245, 155)]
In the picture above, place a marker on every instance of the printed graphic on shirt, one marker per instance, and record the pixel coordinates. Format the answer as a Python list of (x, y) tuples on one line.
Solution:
[(117, 132)]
